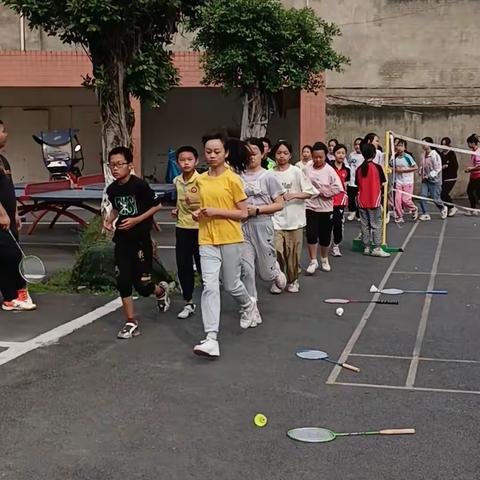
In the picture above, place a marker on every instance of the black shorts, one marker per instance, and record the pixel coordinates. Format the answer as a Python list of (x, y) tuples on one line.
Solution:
[(319, 228)]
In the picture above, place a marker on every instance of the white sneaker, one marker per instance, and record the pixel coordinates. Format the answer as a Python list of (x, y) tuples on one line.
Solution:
[(452, 211), (387, 218), (23, 302), (281, 281), (249, 314), (325, 265), (351, 216), (188, 310), (378, 252), (207, 348), (275, 290), (336, 251), (312, 266), (425, 217), (293, 287), (444, 213), (366, 251), (414, 215), (399, 220)]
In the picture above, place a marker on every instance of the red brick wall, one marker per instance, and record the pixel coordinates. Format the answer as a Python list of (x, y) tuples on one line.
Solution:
[(312, 118)]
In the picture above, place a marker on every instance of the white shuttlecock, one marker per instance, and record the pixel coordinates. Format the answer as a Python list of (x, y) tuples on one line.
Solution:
[(373, 289), (339, 311)]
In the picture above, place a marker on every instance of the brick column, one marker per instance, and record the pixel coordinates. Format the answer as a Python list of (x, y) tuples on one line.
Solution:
[(312, 117)]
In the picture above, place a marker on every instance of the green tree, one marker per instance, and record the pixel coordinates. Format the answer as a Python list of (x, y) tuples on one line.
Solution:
[(127, 42), (261, 48)]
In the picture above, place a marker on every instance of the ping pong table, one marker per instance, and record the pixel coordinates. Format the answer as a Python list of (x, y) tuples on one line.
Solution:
[(59, 196)]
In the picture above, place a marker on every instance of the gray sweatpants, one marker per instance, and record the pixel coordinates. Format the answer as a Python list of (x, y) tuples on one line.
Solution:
[(225, 259), (258, 252), (371, 221)]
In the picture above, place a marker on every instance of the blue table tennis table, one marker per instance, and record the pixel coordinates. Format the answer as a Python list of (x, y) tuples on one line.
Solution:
[(59, 196)]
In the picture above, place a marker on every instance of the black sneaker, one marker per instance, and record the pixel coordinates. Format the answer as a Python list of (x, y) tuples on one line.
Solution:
[(129, 330), (163, 301)]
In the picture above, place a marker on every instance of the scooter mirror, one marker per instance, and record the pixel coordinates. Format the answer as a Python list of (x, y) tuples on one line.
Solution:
[(78, 147)]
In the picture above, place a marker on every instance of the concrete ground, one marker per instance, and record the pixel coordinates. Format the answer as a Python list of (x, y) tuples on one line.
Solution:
[(87, 406)]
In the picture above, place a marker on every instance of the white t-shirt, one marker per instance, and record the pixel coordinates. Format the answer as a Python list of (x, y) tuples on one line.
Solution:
[(379, 158), (293, 216), (353, 162), (405, 161)]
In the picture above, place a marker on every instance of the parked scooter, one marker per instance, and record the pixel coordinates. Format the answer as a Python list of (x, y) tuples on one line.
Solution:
[(62, 154)]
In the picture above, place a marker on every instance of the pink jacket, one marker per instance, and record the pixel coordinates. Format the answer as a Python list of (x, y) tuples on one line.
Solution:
[(327, 183)]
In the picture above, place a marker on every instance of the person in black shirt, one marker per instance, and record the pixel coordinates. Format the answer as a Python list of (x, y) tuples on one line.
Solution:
[(134, 205), (449, 174), (12, 286)]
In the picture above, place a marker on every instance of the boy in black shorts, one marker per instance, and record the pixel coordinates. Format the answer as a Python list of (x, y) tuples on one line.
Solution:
[(134, 205)]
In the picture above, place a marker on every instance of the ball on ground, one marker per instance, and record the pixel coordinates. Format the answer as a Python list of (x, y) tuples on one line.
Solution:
[(339, 311), (260, 420)]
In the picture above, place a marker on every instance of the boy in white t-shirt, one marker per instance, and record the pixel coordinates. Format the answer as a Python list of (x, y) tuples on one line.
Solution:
[(404, 174), (289, 222)]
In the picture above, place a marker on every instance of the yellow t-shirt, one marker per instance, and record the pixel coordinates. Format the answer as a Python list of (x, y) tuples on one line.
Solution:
[(187, 189), (224, 191)]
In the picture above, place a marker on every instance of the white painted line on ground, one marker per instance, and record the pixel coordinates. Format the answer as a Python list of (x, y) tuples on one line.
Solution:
[(445, 274), (52, 336), (48, 223), (447, 237), (9, 344), (425, 359), (166, 223), (422, 327), (400, 387), (366, 315), (76, 245)]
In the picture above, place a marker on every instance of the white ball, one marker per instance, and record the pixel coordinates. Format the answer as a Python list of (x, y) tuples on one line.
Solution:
[(339, 311)]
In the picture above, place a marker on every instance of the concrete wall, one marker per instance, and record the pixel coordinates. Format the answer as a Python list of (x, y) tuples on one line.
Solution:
[(26, 111), (189, 113)]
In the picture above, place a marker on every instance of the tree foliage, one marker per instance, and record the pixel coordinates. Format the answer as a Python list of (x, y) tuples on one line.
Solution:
[(261, 48)]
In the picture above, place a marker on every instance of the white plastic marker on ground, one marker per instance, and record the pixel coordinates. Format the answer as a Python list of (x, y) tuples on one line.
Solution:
[(52, 336)]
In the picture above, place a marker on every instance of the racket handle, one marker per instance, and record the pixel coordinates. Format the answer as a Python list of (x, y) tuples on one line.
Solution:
[(350, 367), (398, 431)]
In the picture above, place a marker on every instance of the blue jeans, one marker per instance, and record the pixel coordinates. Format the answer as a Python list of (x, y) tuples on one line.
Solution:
[(432, 190)]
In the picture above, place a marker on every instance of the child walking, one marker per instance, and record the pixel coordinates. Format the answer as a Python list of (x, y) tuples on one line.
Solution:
[(320, 207), (13, 288), (431, 173), (222, 207), (355, 159), (340, 200), (405, 167), (290, 221), (134, 205), (449, 174), (370, 178), (186, 231), (473, 189), (306, 157), (264, 198)]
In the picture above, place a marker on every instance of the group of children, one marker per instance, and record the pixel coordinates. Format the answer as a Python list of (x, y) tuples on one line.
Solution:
[(240, 220)]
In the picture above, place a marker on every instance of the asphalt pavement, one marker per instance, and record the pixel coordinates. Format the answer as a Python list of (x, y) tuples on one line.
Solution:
[(88, 406)]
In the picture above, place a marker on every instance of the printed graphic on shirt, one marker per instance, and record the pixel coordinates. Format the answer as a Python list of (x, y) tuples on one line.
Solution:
[(126, 206)]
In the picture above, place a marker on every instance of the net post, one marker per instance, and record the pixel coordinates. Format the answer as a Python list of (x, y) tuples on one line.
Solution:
[(385, 187)]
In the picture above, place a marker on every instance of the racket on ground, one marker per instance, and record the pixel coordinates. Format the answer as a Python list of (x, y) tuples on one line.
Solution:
[(342, 301), (31, 268), (310, 354), (398, 291), (322, 435)]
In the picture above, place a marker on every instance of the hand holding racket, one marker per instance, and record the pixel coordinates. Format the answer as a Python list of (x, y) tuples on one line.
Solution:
[(322, 435)]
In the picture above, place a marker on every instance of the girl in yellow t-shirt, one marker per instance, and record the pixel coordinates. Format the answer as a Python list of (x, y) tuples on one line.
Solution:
[(222, 208)]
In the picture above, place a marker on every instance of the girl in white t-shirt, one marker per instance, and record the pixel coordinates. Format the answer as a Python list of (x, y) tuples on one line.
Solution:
[(289, 222)]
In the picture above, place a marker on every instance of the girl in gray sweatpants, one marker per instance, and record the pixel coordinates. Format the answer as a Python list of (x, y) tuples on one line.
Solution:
[(264, 198)]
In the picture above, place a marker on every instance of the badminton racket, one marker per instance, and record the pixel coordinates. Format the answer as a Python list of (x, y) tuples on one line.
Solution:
[(347, 300), (398, 291), (310, 354), (322, 435), (31, 268)]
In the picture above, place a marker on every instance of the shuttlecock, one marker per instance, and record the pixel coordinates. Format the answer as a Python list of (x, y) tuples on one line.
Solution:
[(339, 311), (373, 289)]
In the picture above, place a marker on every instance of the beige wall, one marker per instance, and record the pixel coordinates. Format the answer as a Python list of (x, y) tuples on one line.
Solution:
[(188, 114), (28, 111)]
